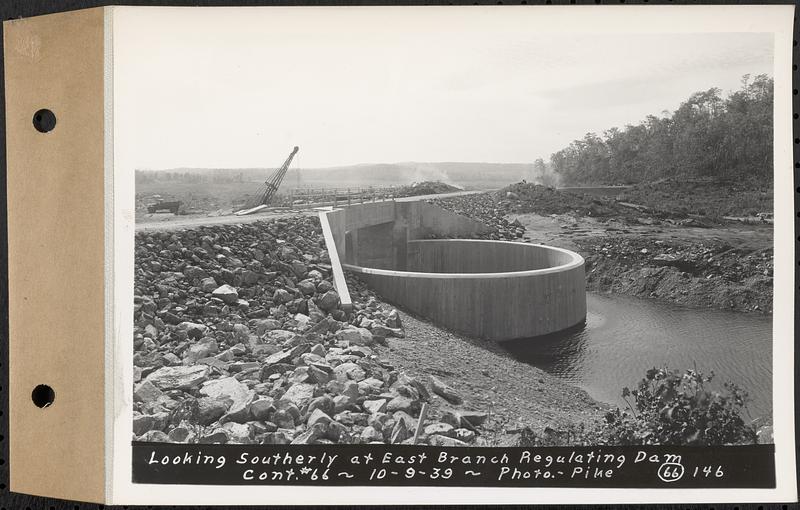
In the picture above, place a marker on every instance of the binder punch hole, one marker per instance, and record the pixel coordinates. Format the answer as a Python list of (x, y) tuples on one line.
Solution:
[(44, 120), (43, 396)]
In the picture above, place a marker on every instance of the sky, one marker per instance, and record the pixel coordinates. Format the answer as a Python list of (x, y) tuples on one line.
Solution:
[(242, 87)]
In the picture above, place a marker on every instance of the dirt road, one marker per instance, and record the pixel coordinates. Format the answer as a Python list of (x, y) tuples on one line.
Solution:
[(164, 222)]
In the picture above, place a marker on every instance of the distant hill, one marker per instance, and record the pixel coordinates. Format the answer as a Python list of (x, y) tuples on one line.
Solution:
[(464, 175)]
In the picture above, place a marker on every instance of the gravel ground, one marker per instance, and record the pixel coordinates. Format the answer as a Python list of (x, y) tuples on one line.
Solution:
[(514, 394)]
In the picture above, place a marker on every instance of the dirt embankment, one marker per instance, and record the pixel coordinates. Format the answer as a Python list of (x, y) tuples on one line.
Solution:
[(676, 247), (714, 200), (691, 203), (703, 274), (426, 188)]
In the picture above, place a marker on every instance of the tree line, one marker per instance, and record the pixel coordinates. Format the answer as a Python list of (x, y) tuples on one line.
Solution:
[(709, 136), (151, 176)]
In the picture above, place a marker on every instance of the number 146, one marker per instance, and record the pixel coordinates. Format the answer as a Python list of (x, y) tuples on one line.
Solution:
[(707, 471)]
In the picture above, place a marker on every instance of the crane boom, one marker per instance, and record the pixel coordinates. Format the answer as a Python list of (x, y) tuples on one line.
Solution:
[(266, 191)]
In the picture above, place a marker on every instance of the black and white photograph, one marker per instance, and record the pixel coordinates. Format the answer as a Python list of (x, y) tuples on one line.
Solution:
[(399, 255), (385, 227)]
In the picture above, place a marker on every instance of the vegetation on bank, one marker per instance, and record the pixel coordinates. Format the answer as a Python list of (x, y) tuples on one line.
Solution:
[(666, 408), (708, 136)]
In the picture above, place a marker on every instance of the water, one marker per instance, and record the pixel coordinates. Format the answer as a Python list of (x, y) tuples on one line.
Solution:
[(623, 337)]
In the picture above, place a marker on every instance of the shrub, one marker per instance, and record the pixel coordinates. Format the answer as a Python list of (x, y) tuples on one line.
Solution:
[(679, 409)]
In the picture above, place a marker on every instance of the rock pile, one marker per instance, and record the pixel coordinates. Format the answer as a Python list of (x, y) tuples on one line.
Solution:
[(484, 208), (426, 188), (239, 337), (527, 197), (708, 260), (708, 274)]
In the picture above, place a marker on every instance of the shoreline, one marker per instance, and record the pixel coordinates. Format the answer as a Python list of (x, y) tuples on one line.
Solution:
[(697, 268), (515, 394)]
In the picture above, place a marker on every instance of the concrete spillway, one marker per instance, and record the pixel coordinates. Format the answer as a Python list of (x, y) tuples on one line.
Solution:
[(497, 290)]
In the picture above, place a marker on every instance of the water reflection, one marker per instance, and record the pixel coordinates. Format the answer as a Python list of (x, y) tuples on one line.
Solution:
[(623, 337)]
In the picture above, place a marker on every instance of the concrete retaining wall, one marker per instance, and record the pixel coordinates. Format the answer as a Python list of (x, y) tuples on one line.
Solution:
[(373, 246), (363, 230), (497, 290), (493, 305), (481, 257)]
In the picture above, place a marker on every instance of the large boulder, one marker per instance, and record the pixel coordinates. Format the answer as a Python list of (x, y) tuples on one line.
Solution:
[(375, 406), (279, 336), (264, 325), (226, 293), (329, 301), (307, 287), (192, 329), (178, 377), (194, 273), (205, 348), (146, 392), (262, 408), (228, 388), (281, 296), (349, 371), (355, 336), (210, 410), (405, 404), (300, 394), (208, 284)]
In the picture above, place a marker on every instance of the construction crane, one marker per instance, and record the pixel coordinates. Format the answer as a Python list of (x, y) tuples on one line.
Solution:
[(266, 191)]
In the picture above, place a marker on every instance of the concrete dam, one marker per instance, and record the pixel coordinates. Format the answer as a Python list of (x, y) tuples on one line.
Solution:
[(410, 252)]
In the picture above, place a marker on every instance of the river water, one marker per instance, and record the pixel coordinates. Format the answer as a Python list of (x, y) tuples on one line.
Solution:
[(625, 336)]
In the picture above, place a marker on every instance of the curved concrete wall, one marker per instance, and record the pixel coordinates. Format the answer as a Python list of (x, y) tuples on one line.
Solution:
[(438, 256), (498, 290), (377, 234)]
